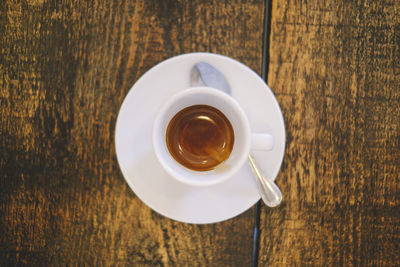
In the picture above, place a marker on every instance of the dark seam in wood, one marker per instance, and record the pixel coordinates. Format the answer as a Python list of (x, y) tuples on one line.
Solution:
[(264, 75)]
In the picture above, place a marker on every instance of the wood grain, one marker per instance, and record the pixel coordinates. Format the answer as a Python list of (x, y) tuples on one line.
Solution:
[(65, 68), (335, 69)]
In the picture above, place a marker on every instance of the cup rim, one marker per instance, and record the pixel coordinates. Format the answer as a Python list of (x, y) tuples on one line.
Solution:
[(220, 177)]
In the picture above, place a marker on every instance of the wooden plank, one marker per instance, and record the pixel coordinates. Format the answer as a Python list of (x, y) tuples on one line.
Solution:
[(65, 68), (335, 69)]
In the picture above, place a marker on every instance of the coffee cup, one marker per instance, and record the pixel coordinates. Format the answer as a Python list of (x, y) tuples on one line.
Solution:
[(201, 136)]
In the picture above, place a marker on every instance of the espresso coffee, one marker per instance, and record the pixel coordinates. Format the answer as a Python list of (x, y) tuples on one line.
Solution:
[(200, 137)]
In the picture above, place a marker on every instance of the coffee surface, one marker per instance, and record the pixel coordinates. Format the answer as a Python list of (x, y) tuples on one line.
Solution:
[(200, 137)]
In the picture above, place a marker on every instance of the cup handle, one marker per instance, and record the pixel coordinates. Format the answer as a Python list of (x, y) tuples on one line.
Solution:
[(261, 141)]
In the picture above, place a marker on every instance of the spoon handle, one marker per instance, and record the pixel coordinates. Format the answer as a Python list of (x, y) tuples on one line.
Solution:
[(270, 193)]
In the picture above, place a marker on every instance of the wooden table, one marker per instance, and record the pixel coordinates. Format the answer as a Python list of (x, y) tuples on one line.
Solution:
[(66, 66)]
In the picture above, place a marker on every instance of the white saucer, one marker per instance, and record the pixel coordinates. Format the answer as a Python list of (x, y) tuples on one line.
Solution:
[(144, 173)]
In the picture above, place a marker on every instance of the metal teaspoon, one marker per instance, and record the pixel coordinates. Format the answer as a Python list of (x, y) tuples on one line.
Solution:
[(205, 74)]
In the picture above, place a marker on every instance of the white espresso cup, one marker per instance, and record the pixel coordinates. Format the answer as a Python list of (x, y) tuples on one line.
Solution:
[(244, 140)]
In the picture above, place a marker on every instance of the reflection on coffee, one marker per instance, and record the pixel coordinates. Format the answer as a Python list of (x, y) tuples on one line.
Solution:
[(200, 137)]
